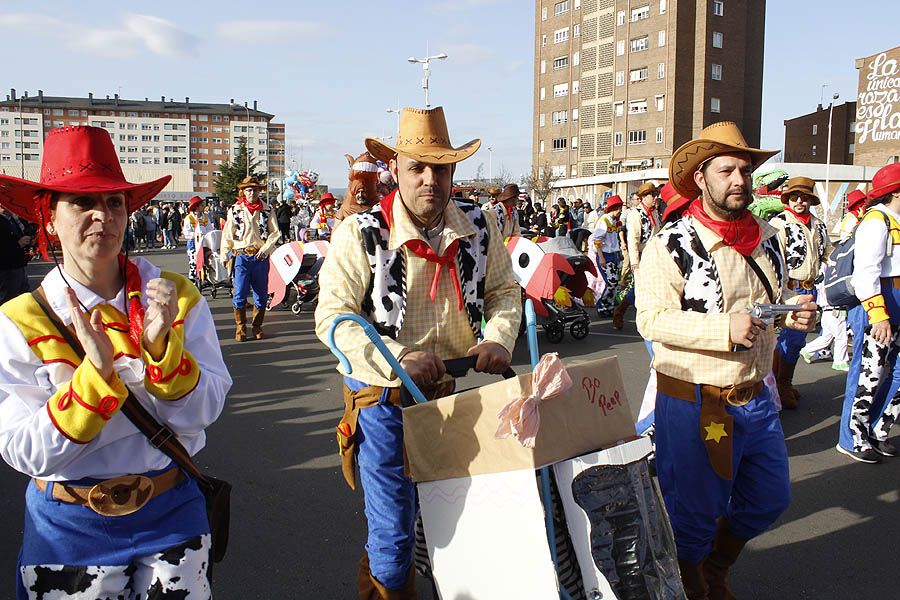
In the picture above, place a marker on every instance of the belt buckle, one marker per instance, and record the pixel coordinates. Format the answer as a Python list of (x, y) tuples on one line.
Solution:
[(738, 396), (120, 496), (807, 285)]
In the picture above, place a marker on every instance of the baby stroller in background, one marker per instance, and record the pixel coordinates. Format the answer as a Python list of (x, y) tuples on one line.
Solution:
[(551, 274), (295, 265), (212, 273)]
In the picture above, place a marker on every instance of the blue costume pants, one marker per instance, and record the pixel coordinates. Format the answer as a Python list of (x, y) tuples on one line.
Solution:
[(250, 272), (696, 496), (791, 341), (390, 496), (872, 395)]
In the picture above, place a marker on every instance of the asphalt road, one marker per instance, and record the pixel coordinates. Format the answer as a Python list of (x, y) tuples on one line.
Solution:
[(297, 530)]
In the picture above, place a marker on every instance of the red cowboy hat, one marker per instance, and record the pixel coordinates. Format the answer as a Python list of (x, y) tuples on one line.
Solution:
[(674, 201), (612, 203), (885, 181), (77, 160), (855, 198), (327, 198), (195, 202)]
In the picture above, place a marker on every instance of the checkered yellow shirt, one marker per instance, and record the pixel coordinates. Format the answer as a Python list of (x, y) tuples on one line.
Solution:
[(439, 326), (693, 346)]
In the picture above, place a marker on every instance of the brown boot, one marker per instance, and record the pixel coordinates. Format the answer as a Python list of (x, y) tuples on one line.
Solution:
[(692, 579), (371, 589), (618, 316), (784, 376), (259, 314), (725, 551), (240, 322)]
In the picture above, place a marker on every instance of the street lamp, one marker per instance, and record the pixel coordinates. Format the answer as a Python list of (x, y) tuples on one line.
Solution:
[(397, 112), (426, 72), (246, 137), (834, 97), (490, 163)]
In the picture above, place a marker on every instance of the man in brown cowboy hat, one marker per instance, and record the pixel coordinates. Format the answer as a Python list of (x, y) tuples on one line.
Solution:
[(806, 246), (503, 205), (248, 237), (641, 224), (425, 270), (720, 450)]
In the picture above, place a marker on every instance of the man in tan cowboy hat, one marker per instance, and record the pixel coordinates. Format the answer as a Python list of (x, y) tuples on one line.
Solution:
[(425, 270), (248, 237), (720, 450), (806, 245), (641, 224), (503, 206)]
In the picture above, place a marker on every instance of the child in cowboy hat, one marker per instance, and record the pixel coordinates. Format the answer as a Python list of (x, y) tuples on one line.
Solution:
[(107, 514), (425, 269)]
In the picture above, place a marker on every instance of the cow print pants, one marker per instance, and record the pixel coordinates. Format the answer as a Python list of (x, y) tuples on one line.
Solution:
[(874, 361), (181, 571)]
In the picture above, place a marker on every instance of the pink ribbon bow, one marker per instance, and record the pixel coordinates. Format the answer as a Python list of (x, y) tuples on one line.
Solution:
[(521, 417)]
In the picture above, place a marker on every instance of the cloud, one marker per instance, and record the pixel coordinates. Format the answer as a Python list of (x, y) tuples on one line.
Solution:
[(135, 34), (272, 31)]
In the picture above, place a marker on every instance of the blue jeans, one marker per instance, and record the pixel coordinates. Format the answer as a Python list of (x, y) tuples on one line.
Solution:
[(250, 273), (791, 341)]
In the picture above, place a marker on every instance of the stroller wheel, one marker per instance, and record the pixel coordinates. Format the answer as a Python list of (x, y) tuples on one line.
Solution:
[(579, 329), (554, 331), (213, 292), (296, 307)]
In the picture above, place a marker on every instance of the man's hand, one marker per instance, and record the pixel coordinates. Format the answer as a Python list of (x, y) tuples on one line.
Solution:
[(425, 368), (881, 332), (261, 255), (805, 319), (492, 357), (744, 329)]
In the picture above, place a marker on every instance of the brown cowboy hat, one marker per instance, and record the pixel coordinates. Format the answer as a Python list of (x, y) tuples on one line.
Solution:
[(510, 192), (719, 138), (647, 188), (250, 182), (423, 136), (800, 185)]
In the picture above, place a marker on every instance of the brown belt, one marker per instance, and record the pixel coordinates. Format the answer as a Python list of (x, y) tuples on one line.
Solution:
[(806, 285), (118, 496), (249, 251), (893, 281), (735, 395)]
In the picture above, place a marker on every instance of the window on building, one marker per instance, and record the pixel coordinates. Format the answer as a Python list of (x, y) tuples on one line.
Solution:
[(715, 105), (637, 136), (640, 13), (574, 171), (558, 170), (718, 8), (542, 147), (660, 102), (543, 93), (560, 144), (576, 30), (560, 62), (560, 116), (815, 129), (574, 142), (659, 135), (543, 40), (617, 137), (662, 38), (541, 120), (560, 35), (636, 107), (575, 86), (575, 110), (620, 109), (561, 8), (620, 48), (662, 7), (718, 39), (576, 59), (636, 75), (717, 72), (620, 77), (639, 44), (543, 67), (544, 14), (577, 4), (661, 71), (620, 18)]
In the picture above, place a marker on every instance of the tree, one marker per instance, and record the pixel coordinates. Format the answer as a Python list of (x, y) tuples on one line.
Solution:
[(233, 171), (540, 181), (503, 178)]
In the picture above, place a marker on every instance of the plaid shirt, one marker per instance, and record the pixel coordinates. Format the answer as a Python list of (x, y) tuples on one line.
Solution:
[(439, 326)]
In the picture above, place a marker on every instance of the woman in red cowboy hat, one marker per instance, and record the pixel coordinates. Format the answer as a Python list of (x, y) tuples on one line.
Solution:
[(196, 225), (106, 512), (323, 219), (607, 241)]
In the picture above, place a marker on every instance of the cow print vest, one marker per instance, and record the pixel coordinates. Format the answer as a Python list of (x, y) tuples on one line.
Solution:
[(240, 224), (795, 240), (385, 299), (702, 291), (646, 223)]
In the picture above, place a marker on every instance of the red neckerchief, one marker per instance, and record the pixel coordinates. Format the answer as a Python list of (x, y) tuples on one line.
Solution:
[(253, 208), (804, 218), (422, 249), (649, 214), (742, 234), (133, 299)]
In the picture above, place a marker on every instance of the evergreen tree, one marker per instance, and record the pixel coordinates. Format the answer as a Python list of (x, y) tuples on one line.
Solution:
[(233, 171)]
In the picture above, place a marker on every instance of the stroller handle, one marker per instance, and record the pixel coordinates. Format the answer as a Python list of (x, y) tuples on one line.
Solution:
[(375, 338), (459, 367)]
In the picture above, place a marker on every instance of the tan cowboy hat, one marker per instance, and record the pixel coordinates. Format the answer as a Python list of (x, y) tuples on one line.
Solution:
[(647, 188), (423, 136), (800, 185), (250, 181), (719, 138)]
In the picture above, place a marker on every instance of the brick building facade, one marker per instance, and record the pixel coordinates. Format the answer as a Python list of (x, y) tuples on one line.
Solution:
[(806, 136)]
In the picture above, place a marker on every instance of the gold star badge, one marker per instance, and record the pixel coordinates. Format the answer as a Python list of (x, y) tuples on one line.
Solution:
[(715, 431)]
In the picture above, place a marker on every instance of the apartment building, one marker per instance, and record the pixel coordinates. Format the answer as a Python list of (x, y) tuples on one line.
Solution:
[(806, 136), (149, 135), (619, 84)]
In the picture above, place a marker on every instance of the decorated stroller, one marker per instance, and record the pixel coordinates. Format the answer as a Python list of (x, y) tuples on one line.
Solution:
[(552, 274), (212, 273), (296, 265)]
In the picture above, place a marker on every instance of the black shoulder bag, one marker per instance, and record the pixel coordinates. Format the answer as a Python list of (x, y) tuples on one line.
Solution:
[(216, 491)]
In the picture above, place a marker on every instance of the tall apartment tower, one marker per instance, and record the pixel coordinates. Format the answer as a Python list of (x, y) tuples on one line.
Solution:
[(619, 84)]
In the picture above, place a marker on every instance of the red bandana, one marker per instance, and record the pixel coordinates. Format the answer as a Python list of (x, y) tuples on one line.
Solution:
[(133, 299), (650, 213), (253, 208), (422, 249), (804, 218), (742, 234)]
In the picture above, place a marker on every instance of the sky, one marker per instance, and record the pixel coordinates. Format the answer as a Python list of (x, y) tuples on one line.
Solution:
[(330, 70)]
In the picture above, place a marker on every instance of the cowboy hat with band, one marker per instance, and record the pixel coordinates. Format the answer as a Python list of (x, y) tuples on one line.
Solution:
[(717, 139), (423, 136), (77, 160), (250, 182), (803, 187)]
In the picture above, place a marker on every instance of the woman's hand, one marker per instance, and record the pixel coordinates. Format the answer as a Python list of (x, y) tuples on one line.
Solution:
[(98, 348), (162, 308)]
